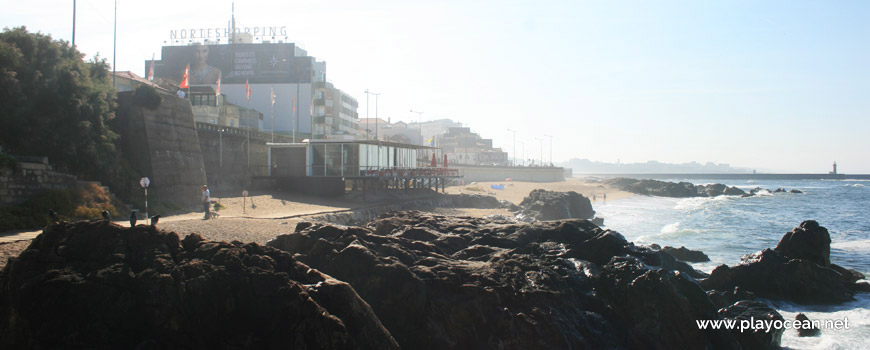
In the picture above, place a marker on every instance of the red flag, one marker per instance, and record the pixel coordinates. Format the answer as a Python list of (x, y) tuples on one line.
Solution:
[(150, 75), (247, 90), (294, 101), (217, 92), (184, 80)]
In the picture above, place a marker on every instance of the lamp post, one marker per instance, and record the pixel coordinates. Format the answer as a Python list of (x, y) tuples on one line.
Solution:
[(523, 146), (551, 148), (541, 159), (367, 114), (515, 145), (420, 124)]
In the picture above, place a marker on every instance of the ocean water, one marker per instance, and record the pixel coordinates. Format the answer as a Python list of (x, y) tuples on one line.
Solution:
[(727, 228)]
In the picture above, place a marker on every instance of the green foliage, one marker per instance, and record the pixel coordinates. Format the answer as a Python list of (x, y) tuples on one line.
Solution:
[(8, 162), (34, 213), (218, 206), (56, 105), (146, 96)]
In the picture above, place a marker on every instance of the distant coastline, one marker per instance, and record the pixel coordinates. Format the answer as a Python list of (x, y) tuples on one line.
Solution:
[(733, 176)]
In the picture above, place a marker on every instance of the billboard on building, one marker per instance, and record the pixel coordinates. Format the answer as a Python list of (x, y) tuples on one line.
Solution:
[(263, 63)]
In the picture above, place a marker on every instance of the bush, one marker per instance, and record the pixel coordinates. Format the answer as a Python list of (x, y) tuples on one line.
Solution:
[(146, 96)]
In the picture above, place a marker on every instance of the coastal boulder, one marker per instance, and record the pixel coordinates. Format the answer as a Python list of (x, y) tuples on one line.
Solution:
[(671, 189), (467, 283), (550, 205), (755, 322), (809, 241), (686, 254), (100, 285)]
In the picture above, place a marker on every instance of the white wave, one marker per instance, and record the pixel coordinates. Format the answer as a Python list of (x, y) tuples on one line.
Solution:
[(857, 313), (854, 185), (671, 228), (852, 246)]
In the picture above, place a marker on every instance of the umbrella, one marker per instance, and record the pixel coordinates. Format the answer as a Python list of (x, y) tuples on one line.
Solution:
[(433, 163)]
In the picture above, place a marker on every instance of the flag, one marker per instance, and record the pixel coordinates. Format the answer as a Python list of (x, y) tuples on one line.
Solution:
[(294, 101), (217, 92), (272, 91), (184, 80), (150, 75), (431, 141), (247, 90)]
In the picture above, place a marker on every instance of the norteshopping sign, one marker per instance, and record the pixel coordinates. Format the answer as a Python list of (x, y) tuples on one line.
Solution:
[(213, 33)]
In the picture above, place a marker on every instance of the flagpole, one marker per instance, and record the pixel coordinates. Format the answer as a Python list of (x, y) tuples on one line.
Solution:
[(273, 114)]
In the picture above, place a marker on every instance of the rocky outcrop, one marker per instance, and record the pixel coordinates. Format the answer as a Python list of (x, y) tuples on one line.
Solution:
[(550, 205), (466, 283), (797, 270), (686, 254), (754, 314), (809, 241), (811, 331), (670, 189), (98, 285)]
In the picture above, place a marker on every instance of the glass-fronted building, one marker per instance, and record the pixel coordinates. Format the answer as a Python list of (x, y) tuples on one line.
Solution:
[(346, 158)]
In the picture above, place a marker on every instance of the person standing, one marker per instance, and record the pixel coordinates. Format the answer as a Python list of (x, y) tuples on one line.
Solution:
[(206, 199)]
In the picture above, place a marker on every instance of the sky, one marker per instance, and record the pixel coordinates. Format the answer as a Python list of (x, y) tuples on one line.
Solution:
[(778, 86)]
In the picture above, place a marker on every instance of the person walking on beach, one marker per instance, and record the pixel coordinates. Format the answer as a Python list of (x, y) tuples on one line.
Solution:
[(206, 198)]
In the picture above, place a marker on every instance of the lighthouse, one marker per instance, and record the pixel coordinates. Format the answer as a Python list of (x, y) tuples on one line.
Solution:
[(835, 169)]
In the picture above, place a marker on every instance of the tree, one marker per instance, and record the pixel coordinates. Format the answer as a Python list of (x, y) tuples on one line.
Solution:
[(55, 104)]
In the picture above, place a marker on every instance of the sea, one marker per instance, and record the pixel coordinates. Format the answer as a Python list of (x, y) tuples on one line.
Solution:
[(728, 227)]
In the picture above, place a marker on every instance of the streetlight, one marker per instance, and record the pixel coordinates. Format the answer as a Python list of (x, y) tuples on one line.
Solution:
[(541, 159), (551, 148), (523, 146), (419, 123), (515, 145), (376, 113)]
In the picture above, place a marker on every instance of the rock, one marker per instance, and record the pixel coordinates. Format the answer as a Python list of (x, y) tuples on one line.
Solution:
[(779, 190), (470, 283), (807, 328), (598, 221), (771, 275), (475, 201), (809, 241), (670, 189), (550, 205), (722, 299), (754, 313), (100, 285), (685, 254), (795, 191)]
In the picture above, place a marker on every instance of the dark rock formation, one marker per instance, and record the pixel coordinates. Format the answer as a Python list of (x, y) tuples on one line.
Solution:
[(685, 254), (475, 201), (550, 205), (754, 313), (670, 189), (441, 282), (809, 241), (797, 270), (795, 191), (98, 285), (811, 331)]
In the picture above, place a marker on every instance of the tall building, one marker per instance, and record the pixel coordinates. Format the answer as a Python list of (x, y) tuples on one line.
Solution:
[(287, 86), (336, 114)]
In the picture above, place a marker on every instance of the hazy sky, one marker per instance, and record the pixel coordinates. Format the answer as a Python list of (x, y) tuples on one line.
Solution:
[(773, 85)]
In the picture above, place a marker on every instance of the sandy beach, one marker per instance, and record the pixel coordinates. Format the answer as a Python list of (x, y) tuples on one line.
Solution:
[(261, 217)]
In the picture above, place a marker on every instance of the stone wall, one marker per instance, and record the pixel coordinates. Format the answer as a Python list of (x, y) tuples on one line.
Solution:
[(231, 156), (33, 177), (163, 145)]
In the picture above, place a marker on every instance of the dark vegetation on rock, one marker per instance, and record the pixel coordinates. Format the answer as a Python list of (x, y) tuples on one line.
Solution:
[(98, 285), (458, 282), (798, 269)]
